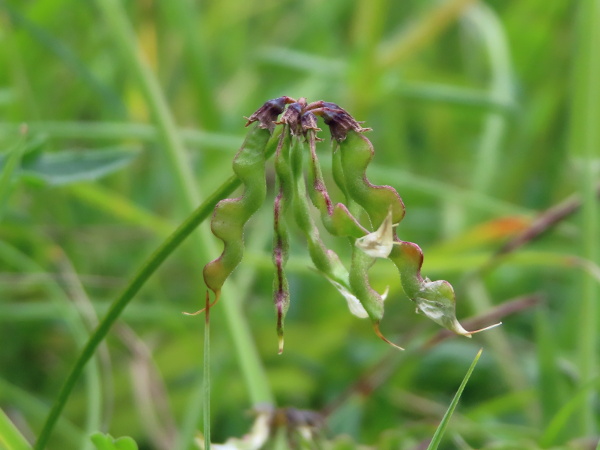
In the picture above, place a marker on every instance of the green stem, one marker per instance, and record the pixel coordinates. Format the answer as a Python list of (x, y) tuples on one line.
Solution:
[(206, 380), (585, 143)]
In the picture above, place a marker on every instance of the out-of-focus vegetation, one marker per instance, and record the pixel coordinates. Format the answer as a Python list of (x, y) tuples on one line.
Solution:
[(118, 118)]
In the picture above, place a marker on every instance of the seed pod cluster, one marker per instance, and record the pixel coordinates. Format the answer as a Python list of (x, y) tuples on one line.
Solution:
[(378, 206)]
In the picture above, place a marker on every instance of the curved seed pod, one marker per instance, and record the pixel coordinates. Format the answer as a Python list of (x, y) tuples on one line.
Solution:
[(338, 171), (230, 215), (370, 299), (325, 260), (281, 291), (356, 154), (337, 219), (435, 299)]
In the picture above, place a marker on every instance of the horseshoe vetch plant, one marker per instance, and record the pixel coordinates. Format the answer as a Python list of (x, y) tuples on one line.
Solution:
[(366, 206)]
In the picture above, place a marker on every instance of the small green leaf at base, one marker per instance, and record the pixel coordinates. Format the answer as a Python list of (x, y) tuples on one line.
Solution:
[(107, 442)]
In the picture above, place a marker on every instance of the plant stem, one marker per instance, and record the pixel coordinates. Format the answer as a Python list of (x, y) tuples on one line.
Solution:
[(206, 380), (585, 145)]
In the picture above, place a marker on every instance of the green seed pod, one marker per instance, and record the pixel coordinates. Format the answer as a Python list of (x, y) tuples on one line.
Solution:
[(435, 299), (290, 173), (230, 215), (356, 154), (337, 219), (325, 260)]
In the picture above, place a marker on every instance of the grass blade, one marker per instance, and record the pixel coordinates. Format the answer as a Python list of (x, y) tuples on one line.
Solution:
[(585, 141), (10, 437), (439, 433), (574, 406)]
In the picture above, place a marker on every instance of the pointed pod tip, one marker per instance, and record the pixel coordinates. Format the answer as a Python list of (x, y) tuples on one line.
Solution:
[(485, 328), (383, 338), (280, 351), (200, 311)]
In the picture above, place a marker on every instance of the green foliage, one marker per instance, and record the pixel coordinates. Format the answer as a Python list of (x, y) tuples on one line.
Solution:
[(107, 442), (10, 436), (443, 426), (484, 118), (72, 166)]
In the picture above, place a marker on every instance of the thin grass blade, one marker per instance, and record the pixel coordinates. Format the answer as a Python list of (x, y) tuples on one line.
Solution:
[(441, 429)]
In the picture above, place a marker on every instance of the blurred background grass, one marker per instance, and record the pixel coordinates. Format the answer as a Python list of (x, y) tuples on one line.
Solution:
[(484, 114)]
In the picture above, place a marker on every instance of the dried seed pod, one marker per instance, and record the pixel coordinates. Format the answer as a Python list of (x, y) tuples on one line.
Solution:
[(267, 114), (340, 122), (281, 291)]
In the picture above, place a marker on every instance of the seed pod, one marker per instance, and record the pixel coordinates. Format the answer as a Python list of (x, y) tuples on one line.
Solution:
[(435, 299), (337, 219), (370, 299), (281, 291), (356, 154), (230, 215), (324, 259)]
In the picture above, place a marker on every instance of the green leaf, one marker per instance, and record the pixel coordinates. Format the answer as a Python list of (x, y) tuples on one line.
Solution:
[(70, 166), (10, 436), (439, 433), (107, 442)]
